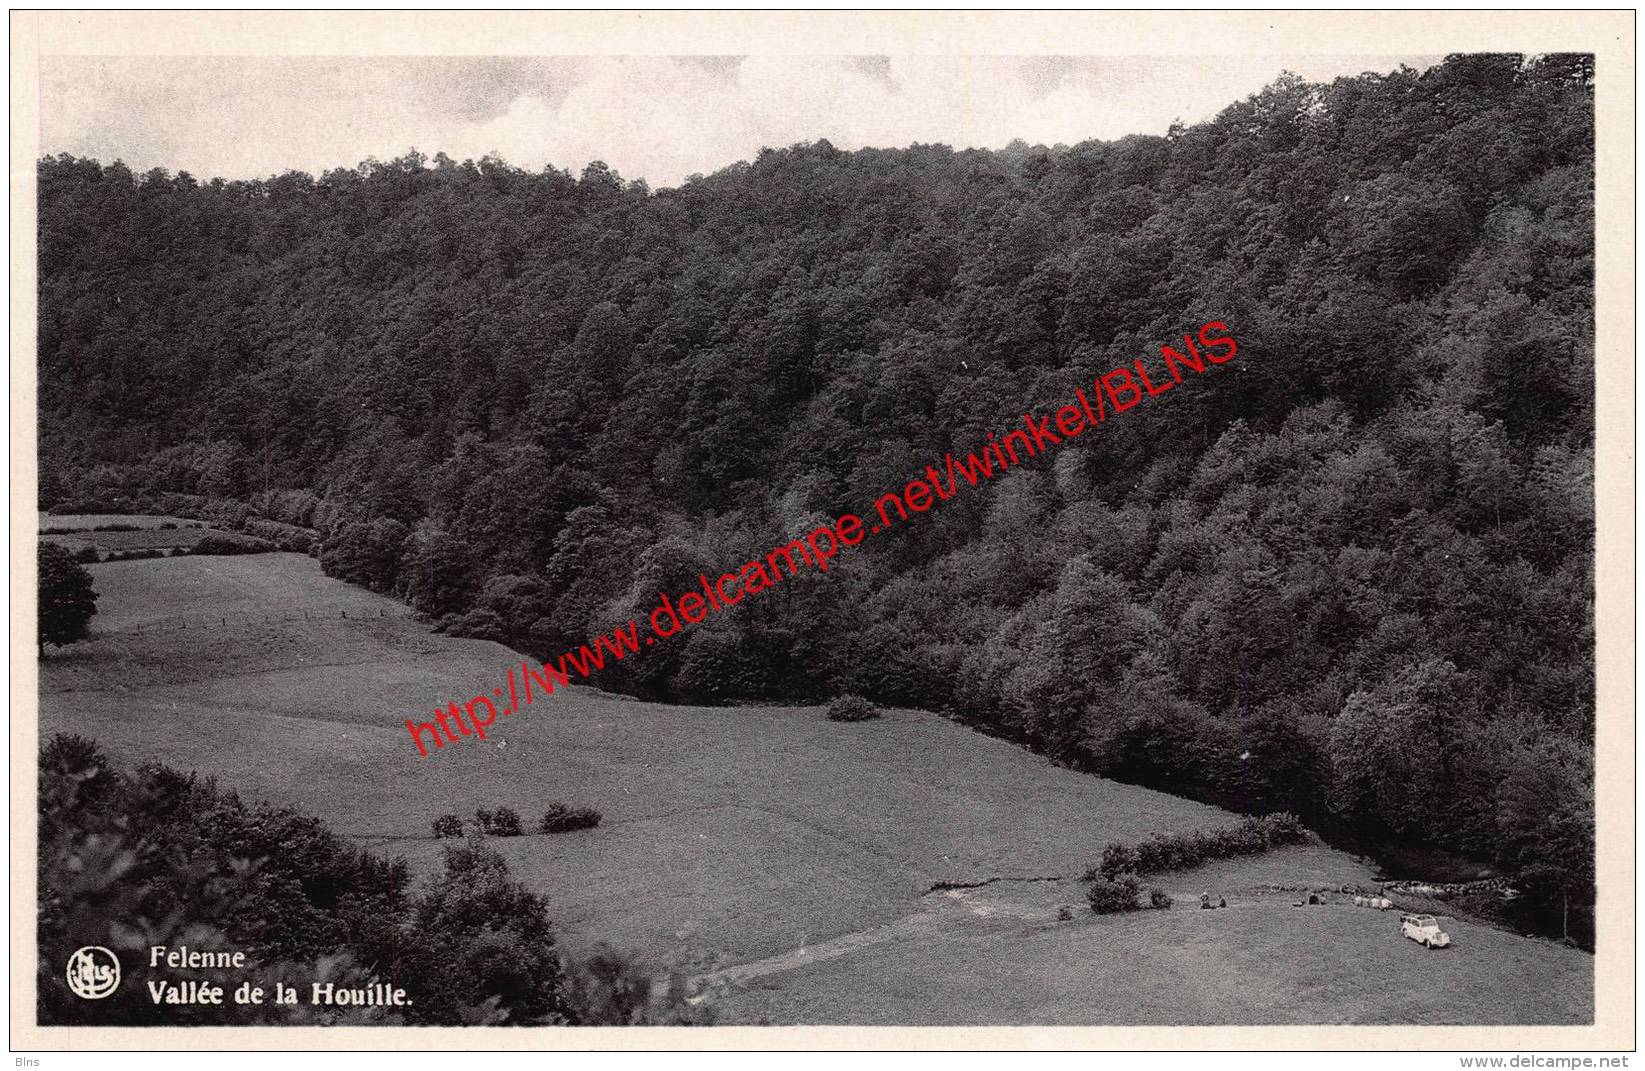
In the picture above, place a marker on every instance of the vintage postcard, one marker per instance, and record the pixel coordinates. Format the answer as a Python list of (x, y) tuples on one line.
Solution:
[(820, 529)]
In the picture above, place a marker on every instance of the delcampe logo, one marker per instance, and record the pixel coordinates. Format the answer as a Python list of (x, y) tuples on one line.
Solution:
[(93, 972)]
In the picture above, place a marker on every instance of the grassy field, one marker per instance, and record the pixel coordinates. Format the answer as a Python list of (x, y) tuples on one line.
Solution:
[(147, 539), (88, 521), (1259, 961), (794, 856), (77, 531)]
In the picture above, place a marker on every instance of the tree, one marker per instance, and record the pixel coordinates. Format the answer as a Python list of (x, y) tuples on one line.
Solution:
[(366, 553), (1392, 749), (1546, 811), (482, 936), (67, 600)]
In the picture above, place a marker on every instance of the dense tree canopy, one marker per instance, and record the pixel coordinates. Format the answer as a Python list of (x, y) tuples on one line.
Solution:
[(1362, 552)]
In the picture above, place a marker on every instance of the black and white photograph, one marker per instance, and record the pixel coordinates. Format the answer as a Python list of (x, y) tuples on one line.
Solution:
[(884, 529)]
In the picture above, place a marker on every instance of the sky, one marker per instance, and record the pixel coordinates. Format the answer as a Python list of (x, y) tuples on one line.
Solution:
[(650, 117)]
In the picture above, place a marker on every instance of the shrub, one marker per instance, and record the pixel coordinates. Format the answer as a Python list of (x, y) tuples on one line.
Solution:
[(852, 708), (560, 818), (448, 825), (505, 823), (285, 536), (611, 988), (477, 625), (1159, 899), (135, 555), (87, 556), (1117, 859), (1184, 851), (1190, 852), (1110, 897), (1279, 829), (223, 543), (1150, 856)]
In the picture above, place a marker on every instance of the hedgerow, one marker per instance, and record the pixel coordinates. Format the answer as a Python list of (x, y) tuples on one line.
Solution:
[(1184, 851)]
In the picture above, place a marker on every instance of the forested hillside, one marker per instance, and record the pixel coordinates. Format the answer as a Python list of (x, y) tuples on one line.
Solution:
[(1348, 576)]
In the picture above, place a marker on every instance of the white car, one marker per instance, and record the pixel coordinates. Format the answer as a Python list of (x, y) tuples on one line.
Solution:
[(1424, 930)]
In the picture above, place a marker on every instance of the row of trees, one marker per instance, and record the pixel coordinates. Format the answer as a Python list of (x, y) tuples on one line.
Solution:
[(1351, 577)]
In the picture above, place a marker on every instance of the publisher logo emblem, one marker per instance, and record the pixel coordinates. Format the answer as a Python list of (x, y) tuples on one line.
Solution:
[(93, 972)]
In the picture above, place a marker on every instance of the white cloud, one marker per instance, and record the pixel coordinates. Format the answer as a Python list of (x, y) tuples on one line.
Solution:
[(656, 118)]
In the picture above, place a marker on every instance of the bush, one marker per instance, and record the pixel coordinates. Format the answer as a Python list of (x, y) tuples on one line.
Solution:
[(1275, 830), (87, 556), (612, 988), (852, 708), (1117, 859), (223, 543), (285, 536), (560, 818), (1109, 897), (477, 625), (1184, 851), (448, 825), (135, 555), (1151, 856), (505, 823), (1159, 899)]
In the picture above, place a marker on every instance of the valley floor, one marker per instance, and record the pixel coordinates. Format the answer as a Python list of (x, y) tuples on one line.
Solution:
[(788, 859)]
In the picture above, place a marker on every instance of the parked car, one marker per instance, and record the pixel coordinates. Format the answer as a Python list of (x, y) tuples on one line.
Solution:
[(1424, 930)]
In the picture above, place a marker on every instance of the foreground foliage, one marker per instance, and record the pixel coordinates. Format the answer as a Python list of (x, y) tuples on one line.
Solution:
[(157, 857)]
